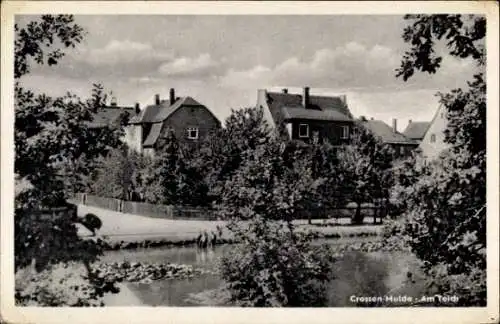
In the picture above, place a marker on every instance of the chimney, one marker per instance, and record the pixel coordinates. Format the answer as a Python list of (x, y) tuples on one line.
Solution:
[(395, 125), (409, 122), (172, 96), (284, 90), (137, 108), (113, 101), (157, 99), (305, 97)]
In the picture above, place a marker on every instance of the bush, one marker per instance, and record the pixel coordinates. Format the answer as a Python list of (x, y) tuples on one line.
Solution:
[(64, 284), (275, 268)]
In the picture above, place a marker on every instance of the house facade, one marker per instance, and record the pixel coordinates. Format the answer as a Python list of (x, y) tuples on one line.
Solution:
[(400, 144), (189, 120), (433, 143), (306, 117)]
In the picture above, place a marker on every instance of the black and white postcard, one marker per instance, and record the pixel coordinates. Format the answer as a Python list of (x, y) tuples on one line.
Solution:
[(248, 162)]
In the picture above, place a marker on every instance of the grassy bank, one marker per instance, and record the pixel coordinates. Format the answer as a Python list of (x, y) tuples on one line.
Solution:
[(123, 231)]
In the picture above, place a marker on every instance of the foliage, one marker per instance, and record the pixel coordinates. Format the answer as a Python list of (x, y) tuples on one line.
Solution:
[(275, 265), (61, 285), (46, 237), (366, 168), (53, 143), (36, 41), (445, 225), (179, 182), (464, 38), (52, 136), (147, 182), (170, 177), (272, 270), (221, 154), (113, 175)]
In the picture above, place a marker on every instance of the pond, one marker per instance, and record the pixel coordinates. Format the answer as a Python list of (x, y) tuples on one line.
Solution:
[(355, 274)]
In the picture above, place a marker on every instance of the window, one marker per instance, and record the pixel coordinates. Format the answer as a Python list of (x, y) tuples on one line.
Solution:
[(345, 132), (303, 130), (433, 138), (192, 133), (401, 150)]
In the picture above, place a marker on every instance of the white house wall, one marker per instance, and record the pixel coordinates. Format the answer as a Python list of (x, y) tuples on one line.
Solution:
[(430, 150), (262, 102), (289, 129), (133, 137)]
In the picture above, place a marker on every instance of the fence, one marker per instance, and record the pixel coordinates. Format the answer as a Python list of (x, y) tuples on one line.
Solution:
[(145, 209), (203, 213), (366, 210)]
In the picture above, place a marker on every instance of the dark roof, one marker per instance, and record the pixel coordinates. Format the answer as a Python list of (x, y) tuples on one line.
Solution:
[(320, 107), (386, 133), (153, 135), (416, 130), (185, 101), (301, 113), (108, 115), (158, 113), (148, 114)]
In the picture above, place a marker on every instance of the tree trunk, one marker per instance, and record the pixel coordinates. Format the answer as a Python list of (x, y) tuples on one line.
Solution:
[(358, 217)]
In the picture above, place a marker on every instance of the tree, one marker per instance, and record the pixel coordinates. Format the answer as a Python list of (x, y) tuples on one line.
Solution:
[(171, 177), (36, 41), (366, 170), (220, 155), (445, 223), (464, 39), (275, 265), (114, 175), (51, 134)]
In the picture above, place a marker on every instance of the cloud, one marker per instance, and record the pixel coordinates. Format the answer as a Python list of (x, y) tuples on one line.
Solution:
[(200, 66), (351, 66), (117, 60), (122, 52)]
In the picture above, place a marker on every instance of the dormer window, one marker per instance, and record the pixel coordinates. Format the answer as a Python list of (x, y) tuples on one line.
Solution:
[(303, 130), (192, 133)]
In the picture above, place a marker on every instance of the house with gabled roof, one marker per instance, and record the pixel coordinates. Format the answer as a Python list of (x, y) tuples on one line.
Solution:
[(307, 117), (401, 145), (433, 141), (416, 130), (189, 120)]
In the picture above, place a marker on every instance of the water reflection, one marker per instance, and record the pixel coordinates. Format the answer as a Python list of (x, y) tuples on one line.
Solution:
[(356, 273), (205, 256)]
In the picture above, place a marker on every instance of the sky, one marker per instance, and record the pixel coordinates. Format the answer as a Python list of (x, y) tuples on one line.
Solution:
[(222, 60)]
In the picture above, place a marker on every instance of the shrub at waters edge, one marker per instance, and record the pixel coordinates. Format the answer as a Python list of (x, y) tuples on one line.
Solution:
[(274, 265)]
